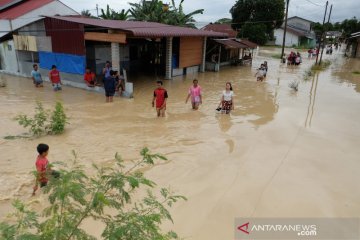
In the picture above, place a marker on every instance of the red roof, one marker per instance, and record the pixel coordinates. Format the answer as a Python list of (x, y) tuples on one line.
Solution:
[(143, 29), (18, 10), (230, 43), (224, 28), (248, 43)]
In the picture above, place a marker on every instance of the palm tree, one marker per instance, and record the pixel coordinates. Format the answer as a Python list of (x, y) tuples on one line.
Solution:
[(86, 13), (156, 11), (113, 15)]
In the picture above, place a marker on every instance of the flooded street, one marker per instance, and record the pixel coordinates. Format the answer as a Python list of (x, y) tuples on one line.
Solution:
[(280, 153)]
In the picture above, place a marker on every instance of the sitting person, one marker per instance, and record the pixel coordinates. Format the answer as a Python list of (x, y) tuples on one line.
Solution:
[(89, 78)]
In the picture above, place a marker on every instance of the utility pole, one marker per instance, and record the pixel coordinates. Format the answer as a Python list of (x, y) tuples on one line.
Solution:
[(325, 30), (322, 34), (285, 28), (97, 10)]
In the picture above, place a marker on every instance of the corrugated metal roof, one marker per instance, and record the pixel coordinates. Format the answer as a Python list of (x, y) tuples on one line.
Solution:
[(143, 29), (230, 43), (247, 42), (22, 9), (224, 28)]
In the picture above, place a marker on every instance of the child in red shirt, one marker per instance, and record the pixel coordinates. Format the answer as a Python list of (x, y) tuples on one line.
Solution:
[(89, 78), (42, 168), (54, 76), (160, 95)]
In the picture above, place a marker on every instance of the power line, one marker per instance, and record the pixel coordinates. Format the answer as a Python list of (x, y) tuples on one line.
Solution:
[(316, 4)]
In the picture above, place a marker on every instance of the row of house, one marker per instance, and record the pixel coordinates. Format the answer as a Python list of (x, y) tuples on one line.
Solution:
[(48, 32)]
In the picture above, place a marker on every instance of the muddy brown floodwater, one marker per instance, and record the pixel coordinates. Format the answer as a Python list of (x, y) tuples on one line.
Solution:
[(279, 154)]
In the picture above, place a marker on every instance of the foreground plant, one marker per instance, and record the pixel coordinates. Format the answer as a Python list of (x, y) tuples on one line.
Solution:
[(40, 123), (105, 197)]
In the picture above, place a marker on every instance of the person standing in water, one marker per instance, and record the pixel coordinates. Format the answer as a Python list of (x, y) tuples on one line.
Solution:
[(227, 99), (110, 86), (36, 76), (195, 94), (54, 76), (106, 70), (160, 96)]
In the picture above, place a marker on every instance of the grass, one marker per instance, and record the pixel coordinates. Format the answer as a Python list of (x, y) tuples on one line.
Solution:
[(356, 72), (324, 64), (277, 56)]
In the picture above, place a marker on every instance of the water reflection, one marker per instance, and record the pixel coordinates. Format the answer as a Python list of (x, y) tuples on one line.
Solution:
[(312, 96), (344, 70)]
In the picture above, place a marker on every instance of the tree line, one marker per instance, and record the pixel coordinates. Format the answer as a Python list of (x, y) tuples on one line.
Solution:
[(151, 11)]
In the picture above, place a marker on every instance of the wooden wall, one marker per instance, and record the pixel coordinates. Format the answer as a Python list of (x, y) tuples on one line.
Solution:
[(191, 51)]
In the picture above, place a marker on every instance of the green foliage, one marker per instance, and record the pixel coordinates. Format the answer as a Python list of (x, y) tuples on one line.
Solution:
[(254, 32), (86, 13), (324, 64), (263, 14), (111, 14), (58, 119), (223, 20), (40, 123), (347, 27), (277, 56), (157, 11), (356, 72), (37, 124), (106, 197)]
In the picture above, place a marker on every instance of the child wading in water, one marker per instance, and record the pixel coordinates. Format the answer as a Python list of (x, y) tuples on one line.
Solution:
[(227, 100), (42, 168), (195, 94), (160, 95), (54, 76)]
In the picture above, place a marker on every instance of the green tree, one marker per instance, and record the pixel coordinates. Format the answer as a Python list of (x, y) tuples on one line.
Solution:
[(350, 26), (111, 14), (261, 13), (106, 197), (86, 13), (223, 20), (254, 32), (157, 11)]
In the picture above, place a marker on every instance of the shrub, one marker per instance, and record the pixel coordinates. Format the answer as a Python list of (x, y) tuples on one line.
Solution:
[(40, 123), (324, 64), (75, 197)]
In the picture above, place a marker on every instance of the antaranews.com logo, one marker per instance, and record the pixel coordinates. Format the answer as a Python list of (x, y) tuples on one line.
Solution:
[(293, 228)]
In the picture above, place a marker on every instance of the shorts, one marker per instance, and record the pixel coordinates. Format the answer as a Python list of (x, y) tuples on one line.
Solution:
[(56, 86), (37, 83), (109, 93), (195, 99)]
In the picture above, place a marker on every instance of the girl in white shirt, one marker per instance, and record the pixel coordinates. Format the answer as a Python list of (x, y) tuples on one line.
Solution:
[(227, 99)]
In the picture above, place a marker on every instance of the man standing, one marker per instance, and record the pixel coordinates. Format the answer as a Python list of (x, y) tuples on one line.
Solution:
[(160, 95), (36, 76)]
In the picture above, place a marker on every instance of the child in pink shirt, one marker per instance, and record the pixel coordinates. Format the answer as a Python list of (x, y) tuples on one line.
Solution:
[(195, 94)]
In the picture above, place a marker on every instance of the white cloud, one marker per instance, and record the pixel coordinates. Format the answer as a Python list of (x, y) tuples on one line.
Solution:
[(216, 9)]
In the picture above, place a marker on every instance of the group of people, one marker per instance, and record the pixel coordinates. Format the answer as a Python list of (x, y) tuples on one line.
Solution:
[(312, 53), (160, 96), (261, 72), (294, 58), (112, 80)]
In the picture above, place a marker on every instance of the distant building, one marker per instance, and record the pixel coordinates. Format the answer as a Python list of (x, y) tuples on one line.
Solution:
[(24, 20), (298, 33), (354, 44), (224, 28)]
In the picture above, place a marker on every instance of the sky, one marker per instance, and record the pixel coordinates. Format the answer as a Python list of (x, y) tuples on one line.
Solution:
[(215, 9)]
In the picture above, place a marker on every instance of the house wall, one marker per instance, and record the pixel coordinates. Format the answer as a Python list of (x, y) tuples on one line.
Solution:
[(290, 40), (299, 23), (358, 48), (8, 56), (50, 9)]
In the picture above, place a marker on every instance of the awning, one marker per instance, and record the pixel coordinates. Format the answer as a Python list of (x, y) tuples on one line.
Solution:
[(230, 43)]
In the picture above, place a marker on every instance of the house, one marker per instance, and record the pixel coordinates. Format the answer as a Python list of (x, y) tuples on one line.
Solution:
[(24, 18), (354, 45), (74, 42), (299, 33), (224, 28)]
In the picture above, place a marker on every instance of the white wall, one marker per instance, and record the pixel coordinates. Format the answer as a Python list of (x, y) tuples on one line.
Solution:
[(50, 9), (290, 38), (299, 23), (8, 56)]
